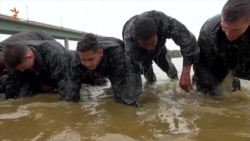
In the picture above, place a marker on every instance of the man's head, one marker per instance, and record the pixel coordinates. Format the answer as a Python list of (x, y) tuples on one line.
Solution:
[(18, 57), (89, 51), (235, 18), (146, 33)]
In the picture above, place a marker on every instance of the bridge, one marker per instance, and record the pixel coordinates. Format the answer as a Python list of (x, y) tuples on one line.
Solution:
[(10, 26)]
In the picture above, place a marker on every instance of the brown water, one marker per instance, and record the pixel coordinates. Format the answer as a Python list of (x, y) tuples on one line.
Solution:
[(166, 114)]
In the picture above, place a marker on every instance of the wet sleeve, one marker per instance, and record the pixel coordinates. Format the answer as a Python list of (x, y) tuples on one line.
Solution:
[(125, 80), (70, 89), (182, 37), (3, 83), (73, 84), (205, 78), (132, 48), (137, 56), (13, 85), (59, 69)]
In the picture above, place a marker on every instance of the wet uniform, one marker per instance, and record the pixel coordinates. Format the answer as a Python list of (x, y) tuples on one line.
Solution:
[(50, 68), (115, 65), (50, 65), (218, 57), (167, 28), (18, 37)]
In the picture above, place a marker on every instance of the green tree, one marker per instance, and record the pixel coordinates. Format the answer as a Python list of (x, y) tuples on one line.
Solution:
[(174, 53)]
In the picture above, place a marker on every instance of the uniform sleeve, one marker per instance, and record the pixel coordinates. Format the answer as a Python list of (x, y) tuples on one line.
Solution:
[(132, 48), (178, 32), (125, 80), (59, 69), (21, 84), (13, 85), (3, 83), (71, 85), (205, 79), (136, 54), (69, 89)]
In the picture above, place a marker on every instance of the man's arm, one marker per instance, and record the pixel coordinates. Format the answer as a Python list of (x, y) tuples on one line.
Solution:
[(175, 30), (125, 79), (13, 84), (206, 81), (137, 54), (59, 69), (69, 89)]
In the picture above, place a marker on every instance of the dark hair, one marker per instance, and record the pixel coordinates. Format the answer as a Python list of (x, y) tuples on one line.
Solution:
[(88, 42), (145, 28), (14, 54), (233, 10)]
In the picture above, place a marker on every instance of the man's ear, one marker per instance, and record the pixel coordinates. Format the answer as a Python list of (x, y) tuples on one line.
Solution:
[(29, 54)]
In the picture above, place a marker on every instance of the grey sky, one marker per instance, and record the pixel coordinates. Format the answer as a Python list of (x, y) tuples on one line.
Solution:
[(107, 17)]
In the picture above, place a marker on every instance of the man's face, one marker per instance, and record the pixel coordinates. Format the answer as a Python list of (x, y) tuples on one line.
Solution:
[(91, 59), (236, 29), (26, 64), (149, 44)]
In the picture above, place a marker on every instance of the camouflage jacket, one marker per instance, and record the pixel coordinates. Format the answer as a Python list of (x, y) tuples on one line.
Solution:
[(22, 37), (115, 65), (218, 56), (50, 64), (167, 28)]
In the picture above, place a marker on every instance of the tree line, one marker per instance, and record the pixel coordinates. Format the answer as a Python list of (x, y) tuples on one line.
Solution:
[(174, 53)]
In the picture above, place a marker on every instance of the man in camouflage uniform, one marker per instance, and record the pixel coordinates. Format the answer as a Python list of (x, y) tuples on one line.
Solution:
[(145, 36), (18, 37), (104, 56), (224, 43), (35, 62)]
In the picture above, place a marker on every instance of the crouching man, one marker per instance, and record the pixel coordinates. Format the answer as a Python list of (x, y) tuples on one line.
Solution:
[(105, 56), (34, 66)]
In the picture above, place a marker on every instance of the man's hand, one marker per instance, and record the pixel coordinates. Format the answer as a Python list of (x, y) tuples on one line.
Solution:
[(185, 81)]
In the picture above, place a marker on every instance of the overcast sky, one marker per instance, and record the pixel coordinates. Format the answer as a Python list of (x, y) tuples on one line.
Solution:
[(107, 17)]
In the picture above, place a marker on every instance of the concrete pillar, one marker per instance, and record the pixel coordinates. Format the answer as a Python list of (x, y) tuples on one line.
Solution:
[(66, 43)]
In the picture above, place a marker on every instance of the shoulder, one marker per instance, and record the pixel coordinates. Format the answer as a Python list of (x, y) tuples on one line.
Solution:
[(128, 31), (208, 32), (110, 43), (211, 25), (156, 15), (47, 46), (153, 13)]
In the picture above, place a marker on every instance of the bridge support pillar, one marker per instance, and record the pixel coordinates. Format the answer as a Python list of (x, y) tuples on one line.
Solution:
[(66, 43)]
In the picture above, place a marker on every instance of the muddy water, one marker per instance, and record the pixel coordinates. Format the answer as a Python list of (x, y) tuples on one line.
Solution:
[(166, 113)]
